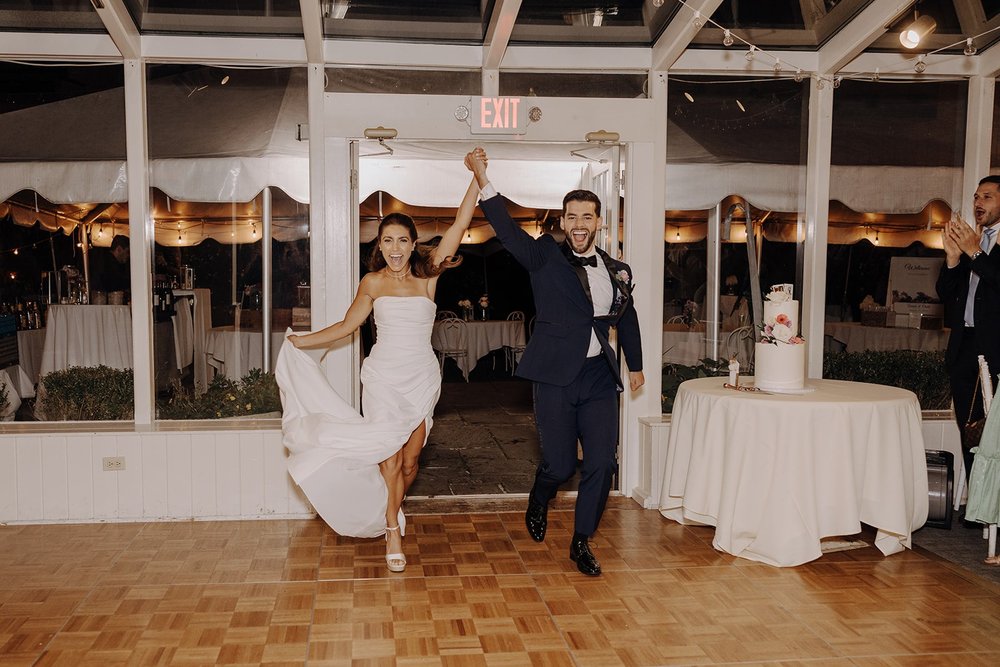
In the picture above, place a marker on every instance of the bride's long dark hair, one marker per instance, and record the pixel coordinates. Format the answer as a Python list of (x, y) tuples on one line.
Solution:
[(422, 259)]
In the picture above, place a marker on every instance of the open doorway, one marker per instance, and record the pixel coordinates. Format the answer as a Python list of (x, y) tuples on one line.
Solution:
[(484, 439)]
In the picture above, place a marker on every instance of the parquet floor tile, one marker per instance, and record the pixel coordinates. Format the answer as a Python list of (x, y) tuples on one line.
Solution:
[(477, 591)]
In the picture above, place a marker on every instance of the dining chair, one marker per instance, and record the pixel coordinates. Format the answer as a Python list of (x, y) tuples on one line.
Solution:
[(513, 352), (450, 340), (445, 315)]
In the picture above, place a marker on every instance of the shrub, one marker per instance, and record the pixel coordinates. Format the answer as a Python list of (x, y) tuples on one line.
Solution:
[(87, 393), (257, 393), (674, 374), (923, 373)]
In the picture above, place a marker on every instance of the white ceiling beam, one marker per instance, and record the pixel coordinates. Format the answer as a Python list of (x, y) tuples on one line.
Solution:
[(577, 59), (407, 55), (312, 29), (224, 50), (900, 65), (679, 32), (120, 27), (498, 33), (988, 61), (870, 24), (971, 16), (733, 61), (62, 47)]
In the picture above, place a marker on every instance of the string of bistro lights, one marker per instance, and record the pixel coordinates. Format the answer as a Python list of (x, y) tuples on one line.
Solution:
[(729, 38)]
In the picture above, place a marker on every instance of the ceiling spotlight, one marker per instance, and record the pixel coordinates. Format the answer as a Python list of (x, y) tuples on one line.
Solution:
[(689, 96), (970, 48), (740, 105), (727, 38), (920, 65), (749, 54), (916, 31)]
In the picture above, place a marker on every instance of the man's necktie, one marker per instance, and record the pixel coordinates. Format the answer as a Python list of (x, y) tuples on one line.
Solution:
[(584, 261), (984, 245)]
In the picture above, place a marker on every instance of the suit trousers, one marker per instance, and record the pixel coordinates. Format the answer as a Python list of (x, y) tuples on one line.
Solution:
[(963, 375), (585, 410)]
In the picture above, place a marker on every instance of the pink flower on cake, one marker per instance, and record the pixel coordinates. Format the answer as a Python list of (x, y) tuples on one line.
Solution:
[(783, 319)]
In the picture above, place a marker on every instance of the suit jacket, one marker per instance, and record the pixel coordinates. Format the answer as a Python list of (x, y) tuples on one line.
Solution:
[(564, 312), (953, 289)]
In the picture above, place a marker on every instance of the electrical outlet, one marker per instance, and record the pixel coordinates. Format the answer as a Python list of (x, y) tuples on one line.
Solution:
[(113, 463)]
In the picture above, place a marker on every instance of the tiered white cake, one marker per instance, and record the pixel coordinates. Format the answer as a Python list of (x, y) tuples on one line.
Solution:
[(780, 357)]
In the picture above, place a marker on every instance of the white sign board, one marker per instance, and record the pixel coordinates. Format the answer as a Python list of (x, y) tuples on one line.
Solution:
[(912, 288)]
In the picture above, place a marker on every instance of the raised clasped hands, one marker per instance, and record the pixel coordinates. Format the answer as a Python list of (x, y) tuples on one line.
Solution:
[(476, 160), (957, 238)]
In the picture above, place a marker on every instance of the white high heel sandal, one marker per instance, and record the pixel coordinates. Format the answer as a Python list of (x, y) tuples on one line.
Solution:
[(395, 562)]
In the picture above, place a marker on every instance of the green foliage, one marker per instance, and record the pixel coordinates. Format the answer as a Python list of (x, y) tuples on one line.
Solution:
[(88, 393), (674, 374), (255, 394), (923, 373)]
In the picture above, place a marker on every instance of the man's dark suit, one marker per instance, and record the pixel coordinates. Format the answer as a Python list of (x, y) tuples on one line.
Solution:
[(575, 397), (966, 343)]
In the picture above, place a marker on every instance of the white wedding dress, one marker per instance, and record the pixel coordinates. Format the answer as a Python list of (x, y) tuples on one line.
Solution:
[(334, 452)]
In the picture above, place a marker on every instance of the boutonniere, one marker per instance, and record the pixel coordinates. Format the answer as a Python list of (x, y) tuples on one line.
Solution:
[(623, 276)]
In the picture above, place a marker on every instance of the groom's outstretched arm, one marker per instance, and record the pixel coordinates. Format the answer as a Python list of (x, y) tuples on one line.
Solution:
[(518, 242)]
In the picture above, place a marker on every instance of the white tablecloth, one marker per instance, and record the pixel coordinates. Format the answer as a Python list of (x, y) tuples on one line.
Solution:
[(30, 344), (482, 337), (775, 473), (857, 338), (235, 353), (684, 347), (191, 326), (87, 336)]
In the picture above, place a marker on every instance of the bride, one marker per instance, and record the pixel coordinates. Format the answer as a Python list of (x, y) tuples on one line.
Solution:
[(333, 450)]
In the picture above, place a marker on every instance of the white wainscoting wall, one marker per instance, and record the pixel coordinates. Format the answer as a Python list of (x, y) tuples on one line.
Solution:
[(211, 474), (939, 430)]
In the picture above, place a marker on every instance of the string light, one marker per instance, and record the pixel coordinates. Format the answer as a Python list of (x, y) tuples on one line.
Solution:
[(920, 65), (678, 235), (727, 38), (698, 21), (16, 251), (749, 54), (970, 48), (777, 65)]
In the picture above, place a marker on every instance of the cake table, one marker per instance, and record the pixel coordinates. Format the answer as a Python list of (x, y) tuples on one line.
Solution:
[(776, 473)]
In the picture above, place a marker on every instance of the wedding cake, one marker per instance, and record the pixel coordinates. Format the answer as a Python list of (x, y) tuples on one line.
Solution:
[(780, 356)]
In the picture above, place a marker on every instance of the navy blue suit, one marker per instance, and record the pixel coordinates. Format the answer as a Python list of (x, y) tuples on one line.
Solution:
[(576, 398)]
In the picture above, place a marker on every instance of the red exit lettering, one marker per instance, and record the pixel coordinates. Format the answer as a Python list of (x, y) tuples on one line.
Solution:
[(499, 112)]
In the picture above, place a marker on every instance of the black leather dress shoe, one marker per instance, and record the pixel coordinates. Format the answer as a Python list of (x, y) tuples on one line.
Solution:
[(586, 561), (536, 519)]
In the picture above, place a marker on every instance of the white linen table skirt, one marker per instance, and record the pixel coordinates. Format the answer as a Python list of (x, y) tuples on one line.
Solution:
[(236, 353), (776, 473), (87, 336)]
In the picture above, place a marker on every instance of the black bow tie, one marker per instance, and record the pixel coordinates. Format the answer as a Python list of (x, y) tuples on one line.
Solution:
[(576, 260)]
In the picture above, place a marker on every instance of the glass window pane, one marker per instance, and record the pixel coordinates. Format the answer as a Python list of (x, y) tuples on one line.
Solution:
[(403, 82), (267, 17), (235, 132), (54, 255), (417, 20), (53, 15)]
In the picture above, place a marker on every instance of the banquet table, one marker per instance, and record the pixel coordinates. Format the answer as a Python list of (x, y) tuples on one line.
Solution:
[(776, 473), (857, 338), (30, 343), (236, 352), (482, 337), (87, 336), (683, 347)]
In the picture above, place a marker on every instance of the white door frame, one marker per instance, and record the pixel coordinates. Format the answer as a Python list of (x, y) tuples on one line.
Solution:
[(433, 118)]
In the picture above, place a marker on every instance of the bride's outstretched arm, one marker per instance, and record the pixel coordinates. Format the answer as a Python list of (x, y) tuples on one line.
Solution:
[(453, 237), (355, 316)]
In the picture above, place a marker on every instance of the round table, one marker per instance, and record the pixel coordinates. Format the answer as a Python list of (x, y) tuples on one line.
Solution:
[(776, 473)]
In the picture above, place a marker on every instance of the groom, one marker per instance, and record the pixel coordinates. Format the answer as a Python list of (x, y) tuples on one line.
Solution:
[(580, 293)]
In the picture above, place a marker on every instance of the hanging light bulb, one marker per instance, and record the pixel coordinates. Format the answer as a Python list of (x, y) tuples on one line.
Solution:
[(876, 76), (689, 97), (749, 54), (798, 76), (727, 37), (916, 31), (15, 251), (836, 81), (970, 48), (678, 235), (920, 65), (876, 237), (100, 232), (740, 105), (253, 231)]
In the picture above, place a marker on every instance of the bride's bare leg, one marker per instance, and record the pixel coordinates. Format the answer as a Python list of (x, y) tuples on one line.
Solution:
[(391, 470), (411, 454)]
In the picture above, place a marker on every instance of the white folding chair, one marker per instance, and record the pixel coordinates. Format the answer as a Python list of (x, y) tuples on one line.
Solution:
[(445, 315), (513, 352), (451, 340), (740, 346)]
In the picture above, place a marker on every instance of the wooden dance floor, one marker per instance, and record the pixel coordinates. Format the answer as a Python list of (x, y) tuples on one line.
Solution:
[(476, 591)]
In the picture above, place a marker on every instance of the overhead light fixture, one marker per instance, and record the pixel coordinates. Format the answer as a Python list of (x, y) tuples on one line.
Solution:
[(727, 37), (970, 48), (912, 34), (602, 137)]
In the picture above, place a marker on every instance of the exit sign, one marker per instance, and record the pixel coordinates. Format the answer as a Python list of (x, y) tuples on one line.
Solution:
[(498, 115)]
